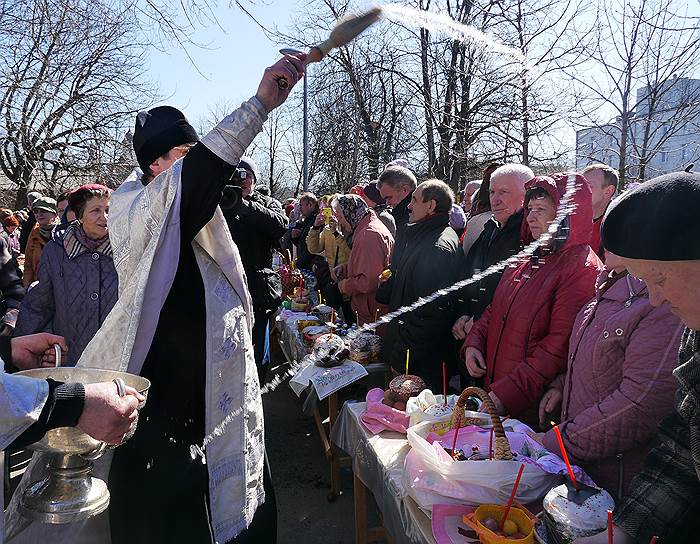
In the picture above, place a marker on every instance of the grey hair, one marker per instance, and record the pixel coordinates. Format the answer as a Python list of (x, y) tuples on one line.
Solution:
[(397, 176), (519, 171)]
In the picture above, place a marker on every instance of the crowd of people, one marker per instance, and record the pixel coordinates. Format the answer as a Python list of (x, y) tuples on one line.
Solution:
[(177, 283)]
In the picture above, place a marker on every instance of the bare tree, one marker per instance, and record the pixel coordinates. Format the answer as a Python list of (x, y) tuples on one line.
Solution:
[(71, 77), (651, 48), (549, 38)]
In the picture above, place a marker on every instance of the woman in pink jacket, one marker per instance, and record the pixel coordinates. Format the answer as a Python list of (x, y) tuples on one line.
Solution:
[(371, 245), (618, 384)]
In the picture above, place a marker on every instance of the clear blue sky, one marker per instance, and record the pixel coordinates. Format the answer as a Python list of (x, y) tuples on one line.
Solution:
[(230, 65)]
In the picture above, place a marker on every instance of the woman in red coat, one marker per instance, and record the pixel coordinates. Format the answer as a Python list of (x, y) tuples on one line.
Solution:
[(520, 343)]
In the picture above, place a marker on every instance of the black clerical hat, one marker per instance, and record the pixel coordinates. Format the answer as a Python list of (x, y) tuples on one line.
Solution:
[(157, 131)]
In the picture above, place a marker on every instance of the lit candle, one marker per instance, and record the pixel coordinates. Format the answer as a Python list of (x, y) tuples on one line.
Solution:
[(610, 527), (408, 351), (332, 316), (564, 456)]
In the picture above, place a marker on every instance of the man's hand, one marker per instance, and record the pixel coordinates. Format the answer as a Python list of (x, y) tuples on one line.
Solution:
[(289, 68), (462, 327), (474, 360), (107, 416), (550, 402), (320, 219), (36, 350)]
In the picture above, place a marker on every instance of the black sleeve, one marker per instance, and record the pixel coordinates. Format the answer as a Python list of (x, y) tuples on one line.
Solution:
[(6, 352), (10, 279), (203, 178), (63, 408), (383, 294), (266, 217)]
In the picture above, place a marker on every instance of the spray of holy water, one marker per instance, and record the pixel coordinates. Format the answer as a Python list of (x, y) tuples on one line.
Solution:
[(441, 23), (566, 207)]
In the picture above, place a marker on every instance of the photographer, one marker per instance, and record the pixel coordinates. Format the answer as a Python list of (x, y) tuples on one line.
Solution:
[(257, 222)]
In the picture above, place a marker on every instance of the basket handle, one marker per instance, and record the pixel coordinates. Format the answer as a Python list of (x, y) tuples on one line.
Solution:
[(500, 440)]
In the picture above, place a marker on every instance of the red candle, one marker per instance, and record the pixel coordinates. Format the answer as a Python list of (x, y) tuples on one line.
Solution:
[(512, 497), (653, 539), (454, 441), (610, 527), (564, 456), (444, 382)]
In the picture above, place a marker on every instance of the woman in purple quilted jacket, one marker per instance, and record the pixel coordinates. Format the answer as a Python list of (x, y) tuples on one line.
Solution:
[(618, 385), (77, 280)]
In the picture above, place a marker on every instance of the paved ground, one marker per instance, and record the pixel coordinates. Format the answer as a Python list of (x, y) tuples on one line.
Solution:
[(301, 476)]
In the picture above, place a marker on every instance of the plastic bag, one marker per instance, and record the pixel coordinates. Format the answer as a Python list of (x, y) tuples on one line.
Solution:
[(431, 475)]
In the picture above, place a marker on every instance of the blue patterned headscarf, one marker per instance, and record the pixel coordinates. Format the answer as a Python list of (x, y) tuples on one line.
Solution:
[(354, 209)]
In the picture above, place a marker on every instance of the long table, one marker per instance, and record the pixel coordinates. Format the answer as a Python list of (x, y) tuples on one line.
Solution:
[(292, 347), (377, 465)]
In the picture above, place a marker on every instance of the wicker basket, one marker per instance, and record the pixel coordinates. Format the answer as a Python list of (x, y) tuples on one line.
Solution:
[(501, 446)]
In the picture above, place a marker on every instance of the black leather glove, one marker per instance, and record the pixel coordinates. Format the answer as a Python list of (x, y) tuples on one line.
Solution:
[(231, 198)]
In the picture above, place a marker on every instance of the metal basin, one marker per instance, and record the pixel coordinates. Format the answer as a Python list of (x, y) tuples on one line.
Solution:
[(69, 493)]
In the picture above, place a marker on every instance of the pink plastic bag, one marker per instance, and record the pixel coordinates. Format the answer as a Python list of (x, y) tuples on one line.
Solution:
[(379, 417)]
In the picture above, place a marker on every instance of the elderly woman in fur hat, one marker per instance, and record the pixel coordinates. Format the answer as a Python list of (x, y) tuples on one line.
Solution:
[(77, 280)]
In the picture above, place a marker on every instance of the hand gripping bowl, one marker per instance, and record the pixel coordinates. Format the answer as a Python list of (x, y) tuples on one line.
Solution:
[(69, 493)]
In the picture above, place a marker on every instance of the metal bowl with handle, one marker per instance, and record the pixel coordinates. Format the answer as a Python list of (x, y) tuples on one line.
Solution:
[(69, 493)]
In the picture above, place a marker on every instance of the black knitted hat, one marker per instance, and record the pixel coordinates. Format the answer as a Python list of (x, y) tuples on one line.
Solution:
[(658, 221), (157, 131), (373, 193)]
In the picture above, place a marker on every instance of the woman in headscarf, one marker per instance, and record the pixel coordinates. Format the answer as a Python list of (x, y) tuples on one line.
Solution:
[(77, 280), (371, 245), (10, 232), (520, 343)]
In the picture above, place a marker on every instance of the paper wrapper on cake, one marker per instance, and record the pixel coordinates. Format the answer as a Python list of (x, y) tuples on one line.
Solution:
[(313, 333), (403, 387), (329, 350), (566, 520), (365, 348), (323, 312)]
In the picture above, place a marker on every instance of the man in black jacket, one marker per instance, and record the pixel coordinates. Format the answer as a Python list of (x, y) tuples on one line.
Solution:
[(257, 222), (396, 185), (308, 206), (499, 240), (427, 260)]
